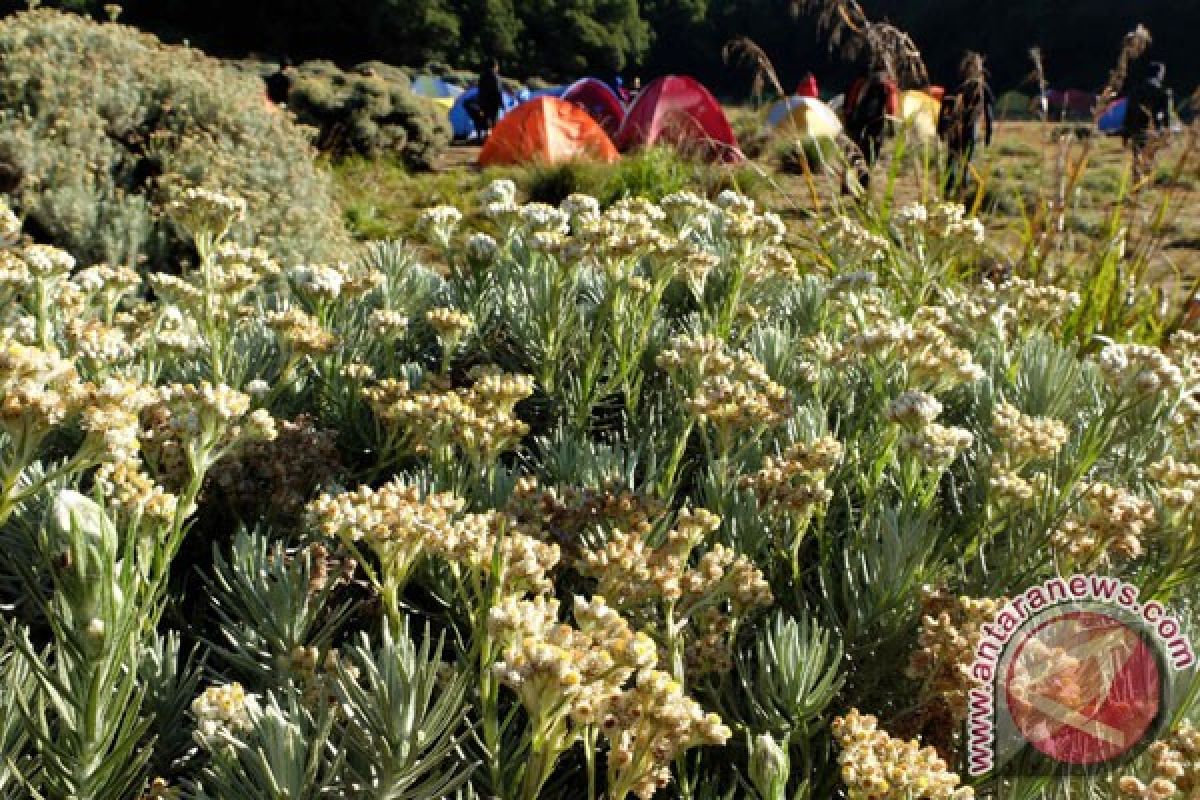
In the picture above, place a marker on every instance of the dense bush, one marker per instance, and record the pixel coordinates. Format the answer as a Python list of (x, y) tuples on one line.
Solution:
[(368, 111), (100, 124)]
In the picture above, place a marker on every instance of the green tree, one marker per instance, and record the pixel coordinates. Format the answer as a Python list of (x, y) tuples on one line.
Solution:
[(414, 31), (567, 38), (490, 29)]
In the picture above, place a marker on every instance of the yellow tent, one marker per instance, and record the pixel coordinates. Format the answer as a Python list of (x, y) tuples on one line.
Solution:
[(803, 116), (919, 112)]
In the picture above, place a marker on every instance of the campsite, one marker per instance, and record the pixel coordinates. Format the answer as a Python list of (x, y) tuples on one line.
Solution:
[(599, 400)]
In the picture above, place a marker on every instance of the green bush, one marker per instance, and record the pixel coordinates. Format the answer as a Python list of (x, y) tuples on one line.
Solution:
[(553, 183), (653, 173), (369, 111), (807, 154), (100, 124)]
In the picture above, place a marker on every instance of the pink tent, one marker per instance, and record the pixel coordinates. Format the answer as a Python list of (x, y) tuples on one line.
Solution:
[(1071, 102), (678, 111), (597, 99)]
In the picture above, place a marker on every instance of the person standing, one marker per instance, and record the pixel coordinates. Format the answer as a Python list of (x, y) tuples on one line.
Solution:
[(870, 101), (489, 98), (966, 117), (1147, 115)]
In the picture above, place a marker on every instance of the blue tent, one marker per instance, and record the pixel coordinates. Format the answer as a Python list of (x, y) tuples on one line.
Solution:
[(433, 86), (780, 111), (550, 91), (460, 120), (1113, 118)]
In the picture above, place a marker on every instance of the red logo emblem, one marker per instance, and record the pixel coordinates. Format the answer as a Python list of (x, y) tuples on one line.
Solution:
[(1083, 687)]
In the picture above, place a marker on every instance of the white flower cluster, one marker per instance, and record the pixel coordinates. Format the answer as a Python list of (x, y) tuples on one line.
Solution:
[(498, 191), (439, 223), (10, 223), (224, 713), (1142, 369), (567, 670), (848, 235), (876, 766), (580, 207), (318, 281), (1175, 768), (46, 261), (912, 215), (914, 409), (934, 445), (1023, 438), (482, 248), (1109, 525), (387, 324), (950, 221), (207, 212)]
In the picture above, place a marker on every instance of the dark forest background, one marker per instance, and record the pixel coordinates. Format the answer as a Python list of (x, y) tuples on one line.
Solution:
[(563, 39)]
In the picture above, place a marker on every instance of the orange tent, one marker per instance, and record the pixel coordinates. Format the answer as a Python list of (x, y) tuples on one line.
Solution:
[(546, 129)]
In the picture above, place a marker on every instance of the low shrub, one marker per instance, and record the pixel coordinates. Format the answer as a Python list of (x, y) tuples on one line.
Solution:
[(100, 124), (369, 111), (807, 154), (553, 183), (652, 173)]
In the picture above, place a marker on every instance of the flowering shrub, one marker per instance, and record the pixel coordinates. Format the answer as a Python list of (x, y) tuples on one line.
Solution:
[(369, 111), (101, 125), (615, 501)]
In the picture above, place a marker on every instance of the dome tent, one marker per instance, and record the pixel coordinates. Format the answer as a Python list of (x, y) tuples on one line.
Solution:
[(546, 130), (1014, 104), (433, 86), (678, 111), (919, 112), (436, 90), (805, 116), (598, 99), (1070, 103), (1112, 121), (549, 91), (460, 120)]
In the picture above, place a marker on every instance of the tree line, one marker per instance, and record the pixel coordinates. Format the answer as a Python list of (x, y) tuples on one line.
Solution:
[(562, 39)]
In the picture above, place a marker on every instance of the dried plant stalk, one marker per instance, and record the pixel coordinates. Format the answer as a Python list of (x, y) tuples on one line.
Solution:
[(1133, 47), (744, 50), (851, 34)]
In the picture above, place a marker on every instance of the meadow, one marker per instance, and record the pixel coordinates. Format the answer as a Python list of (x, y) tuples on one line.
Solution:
[(655, 479)]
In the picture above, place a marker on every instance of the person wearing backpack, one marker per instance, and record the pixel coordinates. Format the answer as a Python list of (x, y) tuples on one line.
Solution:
[(484, 107), (1147, 114), (870, 102)]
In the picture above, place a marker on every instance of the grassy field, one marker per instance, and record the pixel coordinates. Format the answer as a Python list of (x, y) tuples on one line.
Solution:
[(1029, 163)]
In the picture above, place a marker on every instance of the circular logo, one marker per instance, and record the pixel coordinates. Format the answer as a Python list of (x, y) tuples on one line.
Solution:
[(1083, 687)]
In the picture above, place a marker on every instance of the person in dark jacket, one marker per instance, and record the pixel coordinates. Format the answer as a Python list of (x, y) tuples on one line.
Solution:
[(1147, 113), (967, 117), (869, 103), (484, 108)]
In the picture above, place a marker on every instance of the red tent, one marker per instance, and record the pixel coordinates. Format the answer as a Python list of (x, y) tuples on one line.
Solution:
[(546, 130), (807, 87), (678, 111), (596, 98)]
